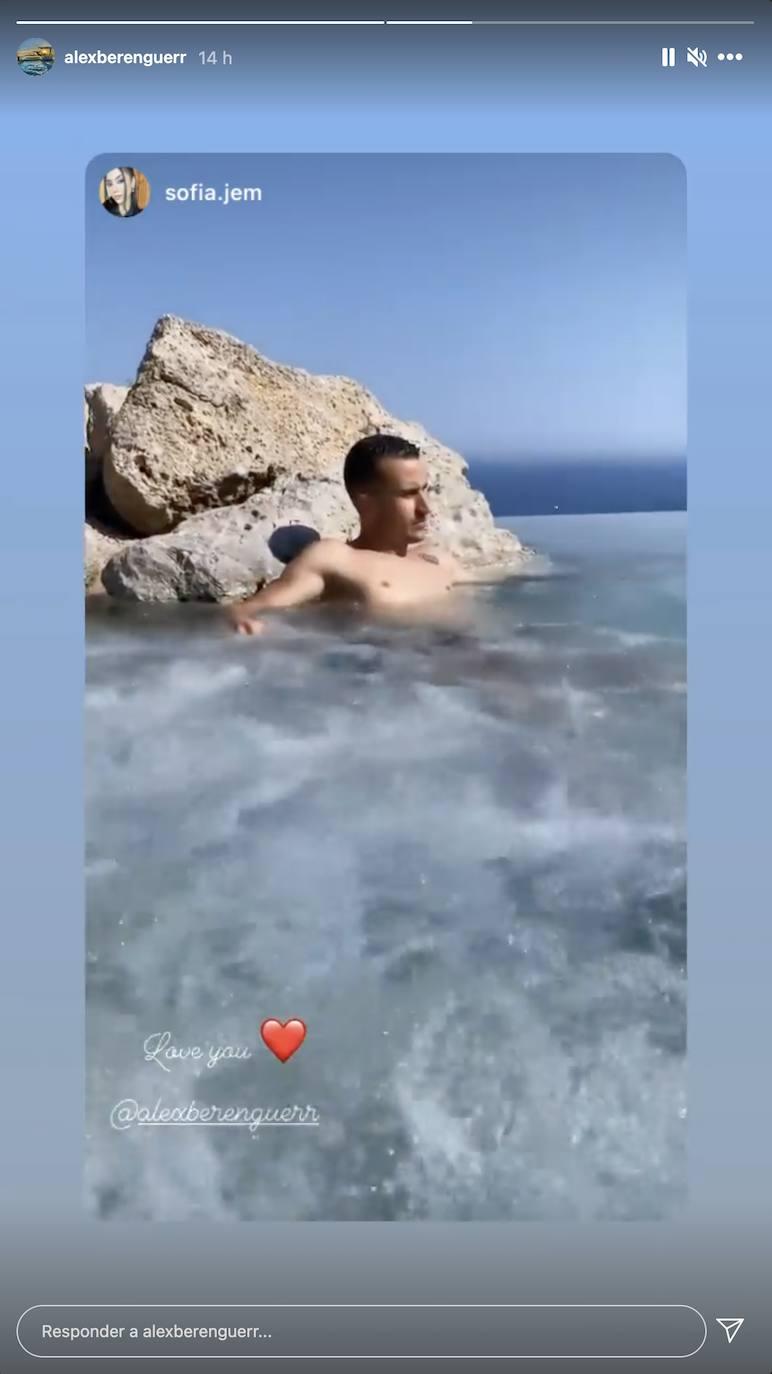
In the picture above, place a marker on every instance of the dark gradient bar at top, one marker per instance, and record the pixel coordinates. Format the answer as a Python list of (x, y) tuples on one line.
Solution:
[(305, 52)]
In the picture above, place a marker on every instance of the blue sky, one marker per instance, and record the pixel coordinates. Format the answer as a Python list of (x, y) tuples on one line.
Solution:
[(515, 305)]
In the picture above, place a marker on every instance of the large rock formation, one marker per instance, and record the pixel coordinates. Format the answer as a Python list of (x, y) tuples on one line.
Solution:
[(215, 446)]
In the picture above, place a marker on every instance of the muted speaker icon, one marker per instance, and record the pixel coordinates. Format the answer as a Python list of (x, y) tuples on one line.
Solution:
[(697, 56)]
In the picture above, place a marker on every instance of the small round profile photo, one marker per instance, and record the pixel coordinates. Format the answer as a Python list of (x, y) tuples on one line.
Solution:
[(124, 191), (35, 56)]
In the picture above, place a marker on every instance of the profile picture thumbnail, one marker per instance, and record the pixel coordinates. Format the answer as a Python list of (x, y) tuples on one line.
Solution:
[(35, 56), (124, 191)]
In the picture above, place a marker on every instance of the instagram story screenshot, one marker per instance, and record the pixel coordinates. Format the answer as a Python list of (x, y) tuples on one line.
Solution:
[(386, 751)]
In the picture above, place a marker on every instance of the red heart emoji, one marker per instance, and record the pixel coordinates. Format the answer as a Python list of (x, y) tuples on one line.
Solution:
[(284, 1039)]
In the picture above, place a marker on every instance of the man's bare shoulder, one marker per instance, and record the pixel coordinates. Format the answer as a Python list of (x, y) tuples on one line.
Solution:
[(325, 556)]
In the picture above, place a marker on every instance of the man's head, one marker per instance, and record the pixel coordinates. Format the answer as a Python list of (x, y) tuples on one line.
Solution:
[(386, 478)]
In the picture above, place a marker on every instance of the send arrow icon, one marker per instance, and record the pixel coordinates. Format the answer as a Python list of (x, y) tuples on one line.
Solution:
[(731, 1326)]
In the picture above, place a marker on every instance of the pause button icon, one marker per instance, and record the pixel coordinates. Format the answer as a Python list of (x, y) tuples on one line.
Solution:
[(668, 57)]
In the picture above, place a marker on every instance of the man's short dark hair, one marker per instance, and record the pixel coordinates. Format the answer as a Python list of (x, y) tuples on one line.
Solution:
[(360, 467)]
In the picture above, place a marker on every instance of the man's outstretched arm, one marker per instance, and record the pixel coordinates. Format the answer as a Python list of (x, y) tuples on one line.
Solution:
[(302, 580)]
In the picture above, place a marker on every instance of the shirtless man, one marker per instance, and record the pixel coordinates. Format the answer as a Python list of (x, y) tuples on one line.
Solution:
[(386, 565)]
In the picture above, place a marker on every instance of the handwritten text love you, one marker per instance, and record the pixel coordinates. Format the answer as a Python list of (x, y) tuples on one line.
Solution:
[(160, 1049)]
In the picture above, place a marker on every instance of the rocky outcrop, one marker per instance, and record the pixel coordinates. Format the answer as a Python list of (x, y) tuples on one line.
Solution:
[(215, 447), (226, 554), (99, 546), (102, 401)]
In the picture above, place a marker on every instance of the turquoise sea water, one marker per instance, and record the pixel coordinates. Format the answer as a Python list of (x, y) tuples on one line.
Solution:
[(457, 854)]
